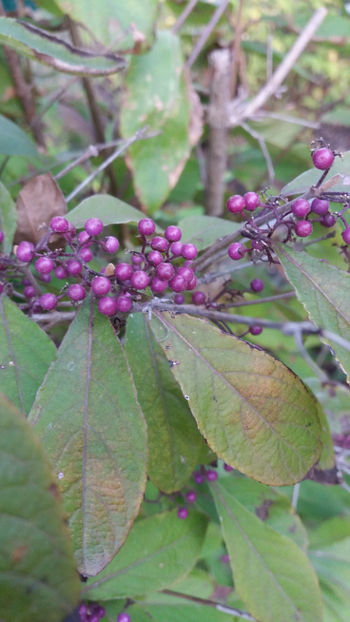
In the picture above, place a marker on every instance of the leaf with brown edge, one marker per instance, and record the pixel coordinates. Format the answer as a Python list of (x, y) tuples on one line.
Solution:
[(254, 412), (87, 415), (39, 200)]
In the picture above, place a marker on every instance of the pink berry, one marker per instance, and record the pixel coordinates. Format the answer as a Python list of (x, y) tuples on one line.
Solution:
[(179, 299), (303, 228), (320, 206), (252, 201), (44, 265), (323, 158), (123, 617), (211, 475), (93, 226), (236, 250), (76, 292), (85, 253), (111, 244), (101, 285), (198, 298), (192, 284), (301, 208), (25, 251), (159, 244), (346, 235), (107, 306), (74, 267), (137, 260), (165, 271), (173, 234), (189, 251), (84, 238), (228, 468), (146, 226), (191, 496), (59, 224), (29, 291), (255, 330), (182, 513), (328, 220), (48, 301), (178, 283), (1, 236), (257, 285), (61, 272), (155, 258), (235, 204), (46, 278), (140, 279), (176, 249), (158, 286), (123, 271), (124, 303)]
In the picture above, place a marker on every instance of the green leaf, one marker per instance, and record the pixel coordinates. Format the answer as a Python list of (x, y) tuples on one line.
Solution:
[(160, 550), (91, 426), (173, 438), (109, 209), (8, 217), (272, 575), (204, 230), (324, 290), (44, 47), (253, 411), (13, 140), (38, 579), (340, 171), (157, 96), (26, 353), (178, 612)]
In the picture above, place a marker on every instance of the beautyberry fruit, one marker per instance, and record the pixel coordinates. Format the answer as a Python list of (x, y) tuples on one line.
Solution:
[(182, 513), (48, 301), (85, 253), (198, 477), (159, 244), (173, 234), (44, 265), (84, 238), (29, 291), (323, 158), (303, 228), (146, 226), (59, 224), (179, 299), (198, 298), (74, 267), (320, 206), (1, 236), (328, 220), (93, 226), (211, 475), (235, 204), (137, 260), (176, 249), (140, 279), (158, 286), (346, 235), (301, 208), (228, 468), (189, 251), (155, 258), (192, 284), (61, 272), (107, 306), (255, 330), (76, 292), (186, 273), (236, 250), (101, 285), (111, 244), (251, 200), (124, 303), (123, 271), (178, 283), (257, 285), (165, 271), (123, 617), (191, 496), (25, 251)]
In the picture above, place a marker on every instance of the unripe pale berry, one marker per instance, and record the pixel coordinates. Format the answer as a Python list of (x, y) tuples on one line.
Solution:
[(74, 267), (235, 204), (155, 258), (257, 285), (251, 200), (124, 303), (85, 253), (179, 299), (346, 235), (255, 330), (198, 298), (159, 244), (59, 224), (29, 291), (25, 251), (93, 226), (178, 283), (176, 249), (320, 206), (44, 265), (158, 286), (173, 234), (101, 285), (182, 513), (107, 306), (111, 244), (165, 271), (236, 250), (303, 228), (48, 301), (146, 226), (76, 292), (123, 617), (191, 496), (61, 272), (323, 158), (123, 271), (140, 279), (211, 475), (189, 251), (301, 208)]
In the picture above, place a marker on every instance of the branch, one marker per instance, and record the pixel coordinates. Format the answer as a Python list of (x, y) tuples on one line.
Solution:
[(184, 15), (211, 603), (206, 33)]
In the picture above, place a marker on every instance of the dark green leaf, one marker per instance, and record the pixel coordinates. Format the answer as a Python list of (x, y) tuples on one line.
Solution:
[(8, 218), (14, 141)]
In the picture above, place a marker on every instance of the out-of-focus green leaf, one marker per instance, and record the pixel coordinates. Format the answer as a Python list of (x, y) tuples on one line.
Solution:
[(110, 210), (204, 230), (8, 218), (13, 140)]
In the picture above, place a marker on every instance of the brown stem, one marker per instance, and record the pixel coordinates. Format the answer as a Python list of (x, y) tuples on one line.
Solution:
[(237, 50)]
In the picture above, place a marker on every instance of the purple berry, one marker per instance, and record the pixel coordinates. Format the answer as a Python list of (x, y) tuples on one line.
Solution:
[(83, 609), (178, 284), (44, 265), (328, 220), (111, 244), (137, 260), (198, 298), (255, 329), (101, 285), (198, 477), (303, 228), (46, 278), (159, 244), (158, 286), (235, 204), (1, 287), (225, 559), (320, 206), (48, 301), (1, 236), (173, 234), (186, 273), (146, 226), (29, 291), (323, 158), (236, 250), (74, 267), (123, 617), (228, 468), (84, 238), (155, 258), (182, 513), (59, 224), (211, 475), (76, 292), (61, 272), (123, 271), (346, 235), (189, 251), (140, 279), (257, 285), (25, 251), (165, 271), (179, 299), (301, 208), (107, 306), (251, 200), (124, 303), (176, 249), (191, 496), (101, 612), (93, 226), (192, 284), (85, 253)]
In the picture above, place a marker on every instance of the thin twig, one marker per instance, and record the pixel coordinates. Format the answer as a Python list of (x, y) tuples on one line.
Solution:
[(212, 276), (211, 603), (52, 100), (264, 150), (91, 152), (184, 15), (206, 33), (295, 495), (247, 303), (262, 114), (237, 50)]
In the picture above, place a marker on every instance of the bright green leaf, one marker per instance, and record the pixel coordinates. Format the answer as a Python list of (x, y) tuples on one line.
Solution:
[(8, 217), (272, 575), (160, 550), (110, 210), (88, 418), (253, 411), (13, 140), (26, 353), (204, 230), (173, 438), (38, 579)]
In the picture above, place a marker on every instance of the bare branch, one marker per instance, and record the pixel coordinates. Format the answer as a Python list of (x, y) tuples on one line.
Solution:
[(184, 15), (206, 33), (211, 603)]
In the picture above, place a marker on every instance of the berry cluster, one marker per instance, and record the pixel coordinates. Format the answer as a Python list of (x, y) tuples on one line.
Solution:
[(91, 612), (200, 476)]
